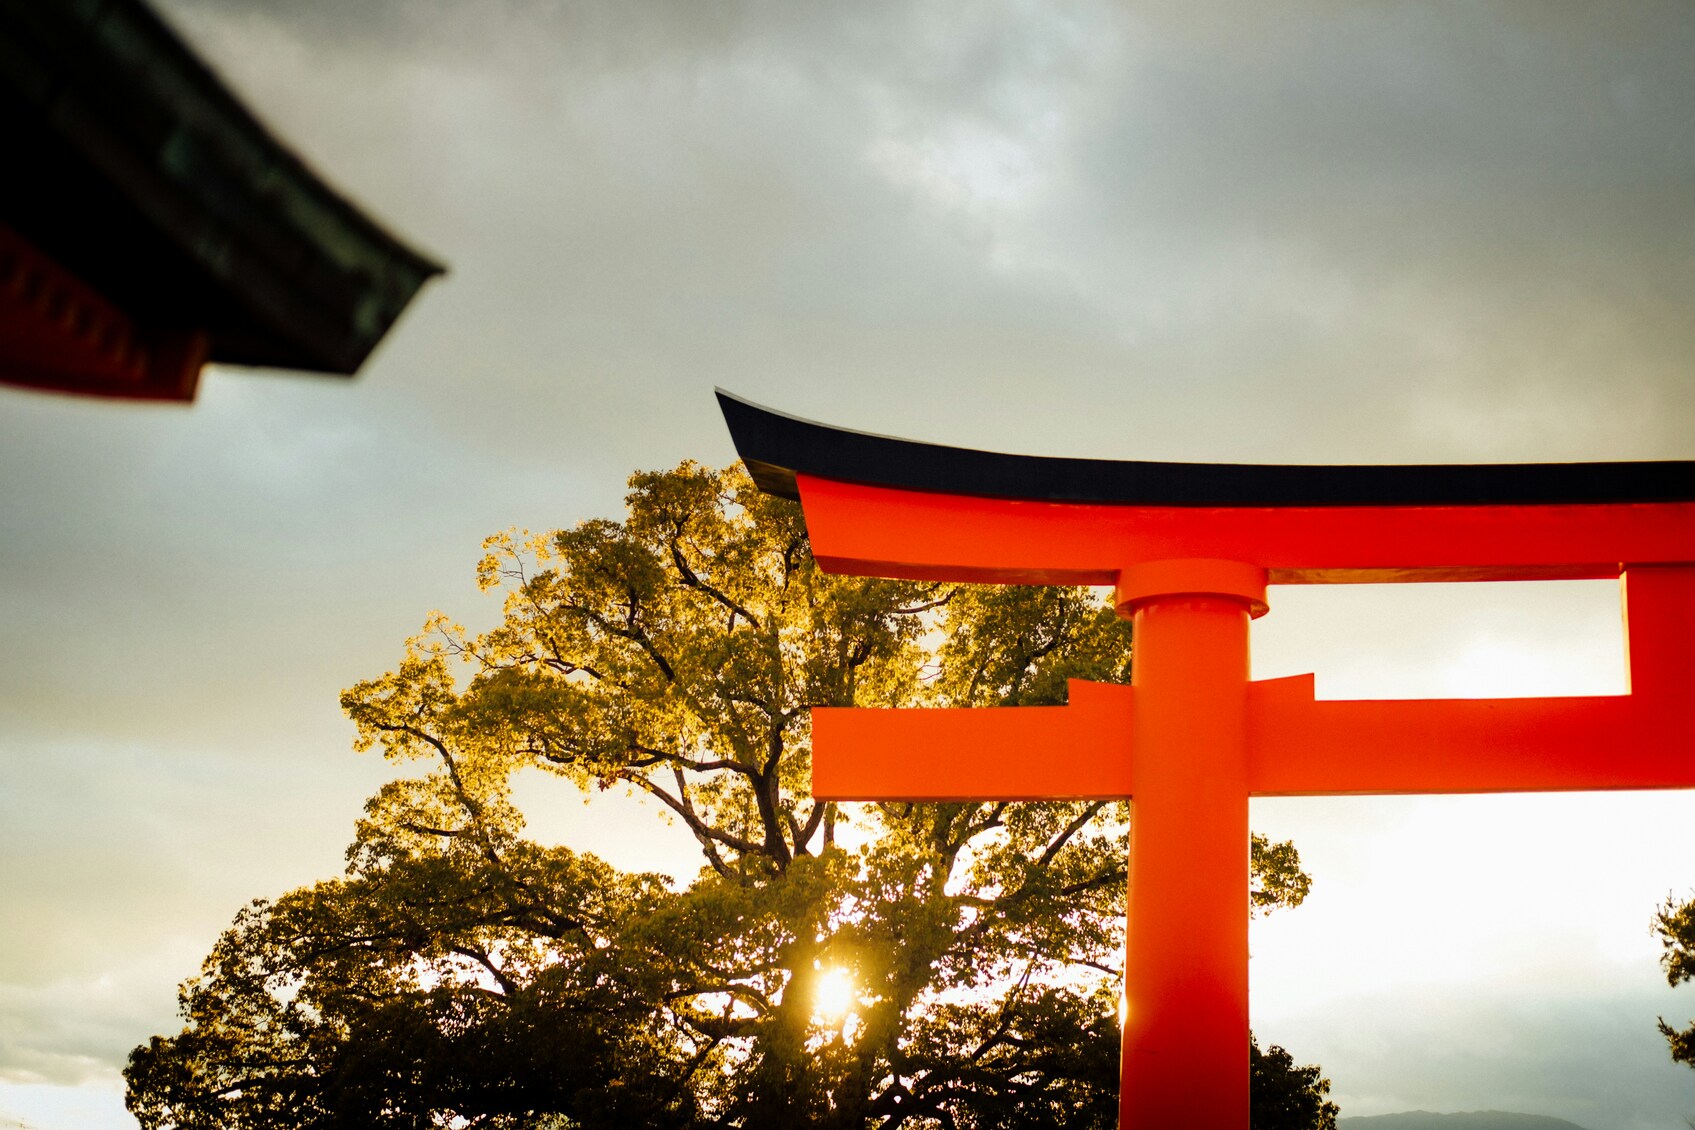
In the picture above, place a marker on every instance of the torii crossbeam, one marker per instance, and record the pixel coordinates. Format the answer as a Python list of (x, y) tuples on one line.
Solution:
[(1190, 549)]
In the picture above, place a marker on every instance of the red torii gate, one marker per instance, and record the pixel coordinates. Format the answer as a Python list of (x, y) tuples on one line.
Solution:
[(1190, 549)]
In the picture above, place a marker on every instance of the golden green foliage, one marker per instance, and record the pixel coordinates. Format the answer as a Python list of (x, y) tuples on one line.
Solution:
[(899, 964)]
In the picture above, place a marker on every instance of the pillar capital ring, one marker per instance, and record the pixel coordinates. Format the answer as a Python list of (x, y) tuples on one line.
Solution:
[(1191, 576)]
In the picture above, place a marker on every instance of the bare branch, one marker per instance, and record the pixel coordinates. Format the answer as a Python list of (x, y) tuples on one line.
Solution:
[(628, 632), (477, 954), (694, 581), (1077, 825), (915, 609), (698, 826)]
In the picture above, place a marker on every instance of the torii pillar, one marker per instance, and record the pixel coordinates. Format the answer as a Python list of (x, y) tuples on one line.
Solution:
[(1190, 549)]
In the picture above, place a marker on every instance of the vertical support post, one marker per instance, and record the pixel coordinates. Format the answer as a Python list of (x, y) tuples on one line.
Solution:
[(1185, 1048), (1659, 622)]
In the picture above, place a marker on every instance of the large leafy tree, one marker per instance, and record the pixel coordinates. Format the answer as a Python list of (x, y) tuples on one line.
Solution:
[(949, 965)]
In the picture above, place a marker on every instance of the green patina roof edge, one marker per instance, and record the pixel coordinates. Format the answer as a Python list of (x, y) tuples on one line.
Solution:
[(236, 201)]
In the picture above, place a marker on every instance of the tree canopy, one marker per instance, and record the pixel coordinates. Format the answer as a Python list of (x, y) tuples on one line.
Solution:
[(924, 965), (1674, 925)]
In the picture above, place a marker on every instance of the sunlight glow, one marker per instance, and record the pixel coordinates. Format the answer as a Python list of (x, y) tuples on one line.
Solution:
[(833, 997), (1496, 639)]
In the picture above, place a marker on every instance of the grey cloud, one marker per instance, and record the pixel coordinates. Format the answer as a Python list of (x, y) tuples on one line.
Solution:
[(1487, 213), (45, 1042), (169, 564), (1584, 1053), (120, 863), (1401, 214)]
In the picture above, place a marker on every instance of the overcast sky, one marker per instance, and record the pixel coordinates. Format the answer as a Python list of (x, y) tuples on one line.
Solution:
[(1304, 232)]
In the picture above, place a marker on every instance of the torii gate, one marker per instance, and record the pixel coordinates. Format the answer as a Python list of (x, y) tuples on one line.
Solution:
[(1190, 549)]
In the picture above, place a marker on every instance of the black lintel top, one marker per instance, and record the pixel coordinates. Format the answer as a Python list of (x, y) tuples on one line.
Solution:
[(775, 447)]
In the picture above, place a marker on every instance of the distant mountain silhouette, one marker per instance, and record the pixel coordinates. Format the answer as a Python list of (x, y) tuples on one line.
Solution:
[(1471, 1120)]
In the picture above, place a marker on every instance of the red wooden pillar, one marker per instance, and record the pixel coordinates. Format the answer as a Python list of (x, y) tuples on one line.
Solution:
[(1185, 1051)]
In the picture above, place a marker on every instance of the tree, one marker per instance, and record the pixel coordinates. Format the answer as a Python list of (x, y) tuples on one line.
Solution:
[(1674, 925), (1286, 1097), (948, 965)]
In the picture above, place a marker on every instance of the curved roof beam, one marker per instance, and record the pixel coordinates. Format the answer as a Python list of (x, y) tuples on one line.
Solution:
[(776, 446)]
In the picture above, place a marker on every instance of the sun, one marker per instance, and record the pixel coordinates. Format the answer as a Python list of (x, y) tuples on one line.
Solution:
[(833, 995)]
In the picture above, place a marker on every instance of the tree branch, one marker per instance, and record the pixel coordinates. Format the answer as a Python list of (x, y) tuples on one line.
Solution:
[(694, 581), (695, 823), (1077, 825)]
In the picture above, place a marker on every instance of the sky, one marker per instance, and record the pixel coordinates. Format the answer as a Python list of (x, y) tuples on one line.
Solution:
[(1311, 232)]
